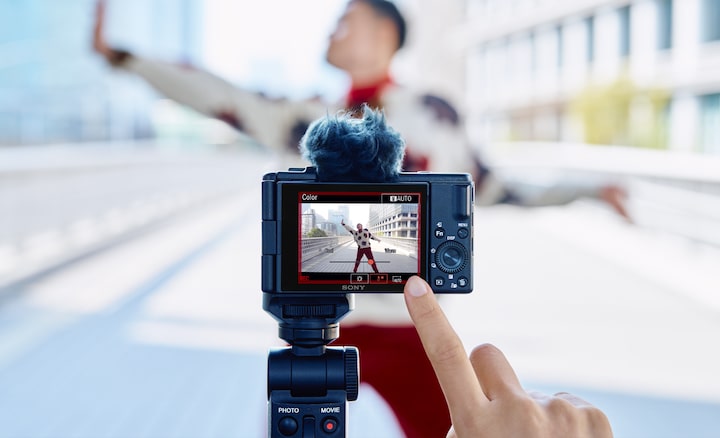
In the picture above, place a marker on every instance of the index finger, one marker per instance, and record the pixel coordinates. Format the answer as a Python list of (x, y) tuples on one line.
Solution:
[(445, 351)]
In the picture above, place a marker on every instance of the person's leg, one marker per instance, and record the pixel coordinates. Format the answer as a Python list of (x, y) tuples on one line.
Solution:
[(357, 259), (371, 260), (393, 361)]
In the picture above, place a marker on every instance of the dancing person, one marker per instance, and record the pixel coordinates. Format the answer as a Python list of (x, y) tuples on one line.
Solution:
[(363, 45), (362, 239)]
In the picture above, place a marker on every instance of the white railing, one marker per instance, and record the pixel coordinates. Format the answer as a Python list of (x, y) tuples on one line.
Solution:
[(314, 246), (404, 244)]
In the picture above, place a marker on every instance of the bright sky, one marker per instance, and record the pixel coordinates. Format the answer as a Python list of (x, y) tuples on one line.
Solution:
[(277, 46), (358, 212)]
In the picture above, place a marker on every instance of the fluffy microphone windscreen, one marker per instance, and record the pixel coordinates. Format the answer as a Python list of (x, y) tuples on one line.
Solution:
[(349, 149)]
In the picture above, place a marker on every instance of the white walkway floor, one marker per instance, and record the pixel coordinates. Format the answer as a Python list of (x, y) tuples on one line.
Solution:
[(165, 336)]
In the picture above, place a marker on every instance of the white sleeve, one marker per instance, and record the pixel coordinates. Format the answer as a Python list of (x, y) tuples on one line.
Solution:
[(430, 134), (197, 89), (435, 132), (274, 123), (535, 191)]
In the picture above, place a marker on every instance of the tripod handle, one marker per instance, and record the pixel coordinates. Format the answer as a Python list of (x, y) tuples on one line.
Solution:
[(308, 395)]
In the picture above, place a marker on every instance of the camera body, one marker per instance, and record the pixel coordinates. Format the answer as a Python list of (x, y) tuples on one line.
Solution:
[(322, 242), (340, 237)]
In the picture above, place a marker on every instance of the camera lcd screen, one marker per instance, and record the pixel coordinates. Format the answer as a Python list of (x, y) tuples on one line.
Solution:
[(353, 238)]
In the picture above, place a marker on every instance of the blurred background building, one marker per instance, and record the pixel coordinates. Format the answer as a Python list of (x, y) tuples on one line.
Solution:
[(52, 89), (635, 72)]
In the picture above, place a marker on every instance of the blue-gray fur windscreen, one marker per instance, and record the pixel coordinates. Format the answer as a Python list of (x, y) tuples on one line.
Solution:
[(346, 148)]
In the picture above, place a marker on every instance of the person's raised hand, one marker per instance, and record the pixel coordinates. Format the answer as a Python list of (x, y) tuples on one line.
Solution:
[(99, 44), (616, 197), (483, 393)]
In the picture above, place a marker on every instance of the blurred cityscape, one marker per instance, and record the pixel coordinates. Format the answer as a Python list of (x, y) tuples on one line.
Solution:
[(54, 90), (130, 299), (383, 220), (641, 73), (633, 73)]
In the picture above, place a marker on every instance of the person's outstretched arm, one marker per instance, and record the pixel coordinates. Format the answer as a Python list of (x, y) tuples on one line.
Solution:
[(273, 123), (526, 192), (350, 230), (200, 90), (483, 393)]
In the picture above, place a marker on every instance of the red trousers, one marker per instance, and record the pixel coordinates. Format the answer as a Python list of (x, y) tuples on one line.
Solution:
[(367, 252), (392, 361)]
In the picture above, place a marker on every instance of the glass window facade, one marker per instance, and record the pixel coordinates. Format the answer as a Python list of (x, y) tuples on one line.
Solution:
[(710, 14), (710, 123), (560, 45), (624, 19), (590, 28), (665, 24), (53, 88)]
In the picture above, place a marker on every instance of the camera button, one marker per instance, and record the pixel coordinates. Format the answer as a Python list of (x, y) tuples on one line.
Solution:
[(329, 425), (288, 426), (439, 281), (463, 233), (440, 233), (463, 282), (451, 257)]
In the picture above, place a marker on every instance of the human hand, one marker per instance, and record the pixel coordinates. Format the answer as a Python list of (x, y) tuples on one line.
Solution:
[(99, 44), (113, 56), (616, 198), (483, 393)]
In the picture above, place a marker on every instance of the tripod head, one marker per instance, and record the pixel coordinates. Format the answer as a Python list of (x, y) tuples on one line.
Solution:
[(308, 322)]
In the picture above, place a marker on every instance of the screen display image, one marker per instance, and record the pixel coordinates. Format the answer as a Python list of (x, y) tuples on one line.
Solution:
[(362, 238)]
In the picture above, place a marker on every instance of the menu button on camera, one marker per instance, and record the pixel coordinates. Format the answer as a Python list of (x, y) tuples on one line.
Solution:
[(463, 233)]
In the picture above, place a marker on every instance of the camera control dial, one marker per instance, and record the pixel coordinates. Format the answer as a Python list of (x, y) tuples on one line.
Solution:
[(451, 257)]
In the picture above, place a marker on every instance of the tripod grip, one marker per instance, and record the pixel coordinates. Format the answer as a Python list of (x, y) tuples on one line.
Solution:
[(308, 395)]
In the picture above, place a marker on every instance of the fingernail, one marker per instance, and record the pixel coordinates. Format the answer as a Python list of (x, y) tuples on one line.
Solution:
[(416, 287)]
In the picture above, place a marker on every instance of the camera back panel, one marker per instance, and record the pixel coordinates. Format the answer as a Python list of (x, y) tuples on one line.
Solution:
[(337, 237)]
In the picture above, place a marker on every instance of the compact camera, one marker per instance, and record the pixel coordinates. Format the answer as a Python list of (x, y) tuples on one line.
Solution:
[(343, 237)]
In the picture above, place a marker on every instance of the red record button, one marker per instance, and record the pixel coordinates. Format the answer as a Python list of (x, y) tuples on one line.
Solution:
[(329, 425)]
